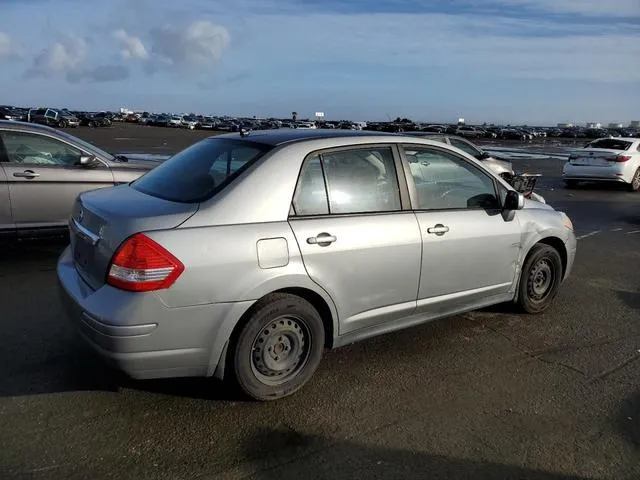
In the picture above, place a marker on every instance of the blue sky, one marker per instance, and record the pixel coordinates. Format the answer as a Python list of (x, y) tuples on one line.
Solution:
[(511, 61)]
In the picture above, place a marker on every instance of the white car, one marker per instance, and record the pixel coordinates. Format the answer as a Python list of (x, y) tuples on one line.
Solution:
[(614, 159)]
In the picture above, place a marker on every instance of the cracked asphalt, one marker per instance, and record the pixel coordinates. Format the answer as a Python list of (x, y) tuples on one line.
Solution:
[(489, 394)]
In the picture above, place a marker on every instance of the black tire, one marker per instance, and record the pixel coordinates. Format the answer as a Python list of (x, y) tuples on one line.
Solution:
[(634, 186), (540, 279), (279, 348), (63, 123), (571, 183)]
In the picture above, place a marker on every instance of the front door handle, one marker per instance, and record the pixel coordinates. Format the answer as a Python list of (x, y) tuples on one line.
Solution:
[(438, 229), (323, 239), (26, 174)]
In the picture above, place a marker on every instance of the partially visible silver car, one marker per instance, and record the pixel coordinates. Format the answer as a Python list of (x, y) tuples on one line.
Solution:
[(43, 170), (246, 255)]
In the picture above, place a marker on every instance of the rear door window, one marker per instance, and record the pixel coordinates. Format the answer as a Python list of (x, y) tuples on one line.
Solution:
[(200, 171), (357, 180)]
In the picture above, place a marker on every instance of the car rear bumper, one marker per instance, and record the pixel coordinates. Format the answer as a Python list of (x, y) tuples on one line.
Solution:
[(614, 173), (140, 335)]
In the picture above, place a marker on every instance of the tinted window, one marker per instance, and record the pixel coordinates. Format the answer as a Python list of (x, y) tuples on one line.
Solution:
[(610, 143), (356, 180), (444, 181), (201, 170), (34, 149)]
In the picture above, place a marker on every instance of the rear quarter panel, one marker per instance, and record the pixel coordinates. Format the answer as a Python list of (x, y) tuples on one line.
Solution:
[(222, 266)]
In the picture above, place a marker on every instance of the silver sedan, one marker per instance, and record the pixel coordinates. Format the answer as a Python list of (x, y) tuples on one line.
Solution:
[(246, 255)]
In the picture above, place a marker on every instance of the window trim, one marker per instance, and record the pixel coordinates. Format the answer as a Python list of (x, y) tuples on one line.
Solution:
[(404, 194), (414, 191), (54, 137)]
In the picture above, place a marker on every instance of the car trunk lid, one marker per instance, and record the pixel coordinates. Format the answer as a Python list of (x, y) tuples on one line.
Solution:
[(102, 219), (594, 157)]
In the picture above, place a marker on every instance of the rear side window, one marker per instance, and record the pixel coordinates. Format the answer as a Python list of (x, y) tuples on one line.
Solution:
[(200, 171), (610, 144), (360, 180)]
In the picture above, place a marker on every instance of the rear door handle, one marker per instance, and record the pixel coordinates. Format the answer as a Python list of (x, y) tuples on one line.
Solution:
[(323, 239), (438, 229), (26, 174)]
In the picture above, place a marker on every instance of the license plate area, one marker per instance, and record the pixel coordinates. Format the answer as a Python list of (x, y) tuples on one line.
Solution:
[(83, 252)]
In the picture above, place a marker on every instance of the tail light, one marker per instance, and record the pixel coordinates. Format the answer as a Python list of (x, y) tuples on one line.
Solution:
[(142, 265), (621, 158)]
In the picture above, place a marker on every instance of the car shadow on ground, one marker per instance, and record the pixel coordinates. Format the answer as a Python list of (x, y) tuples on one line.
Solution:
[(632, 299), (292, 455)]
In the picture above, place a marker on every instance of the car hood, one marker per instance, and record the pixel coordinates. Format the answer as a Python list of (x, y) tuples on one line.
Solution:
[(143, 160)]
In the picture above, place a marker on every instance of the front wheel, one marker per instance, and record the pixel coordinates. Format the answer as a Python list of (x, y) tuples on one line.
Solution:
[(634, 186), (540, 279), (279, 348)]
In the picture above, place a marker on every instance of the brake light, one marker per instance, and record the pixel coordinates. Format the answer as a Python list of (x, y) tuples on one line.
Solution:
[(142, 265), (621, 158)]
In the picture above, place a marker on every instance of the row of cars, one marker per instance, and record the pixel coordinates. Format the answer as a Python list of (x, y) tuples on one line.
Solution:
[(55, 117), (310, 227)]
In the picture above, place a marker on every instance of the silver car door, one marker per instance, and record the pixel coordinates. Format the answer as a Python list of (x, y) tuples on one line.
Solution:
[(45, 177), (356, 241), (6, 221), (470, 249)]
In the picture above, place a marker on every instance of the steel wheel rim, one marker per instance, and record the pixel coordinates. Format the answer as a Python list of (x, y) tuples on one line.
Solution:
[(542, 277), (636, 179), (280, 350)]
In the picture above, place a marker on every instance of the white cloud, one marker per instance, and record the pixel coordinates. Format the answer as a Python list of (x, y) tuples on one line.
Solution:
[(7, 48), (62, 57), (132, 47), (198, 46)]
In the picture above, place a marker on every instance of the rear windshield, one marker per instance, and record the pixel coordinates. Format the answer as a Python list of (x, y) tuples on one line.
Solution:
[(200, 171), (610, 144)]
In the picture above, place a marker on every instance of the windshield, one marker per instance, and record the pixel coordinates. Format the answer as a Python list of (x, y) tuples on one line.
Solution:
[(201, 170), (610, 144)]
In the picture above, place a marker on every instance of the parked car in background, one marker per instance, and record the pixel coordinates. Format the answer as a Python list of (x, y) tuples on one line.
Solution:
[(468, 131), (88, 119), (310, 228), (9, 113), (43, 170), (614, 159), (502, 168), (53, 118)]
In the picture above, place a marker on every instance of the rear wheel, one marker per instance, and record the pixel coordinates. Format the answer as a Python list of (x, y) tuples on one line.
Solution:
[(634, 186), (540, 279), (279, 348)]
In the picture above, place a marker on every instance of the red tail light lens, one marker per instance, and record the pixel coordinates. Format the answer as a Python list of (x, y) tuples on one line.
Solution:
[(622, 158), (142, 265)]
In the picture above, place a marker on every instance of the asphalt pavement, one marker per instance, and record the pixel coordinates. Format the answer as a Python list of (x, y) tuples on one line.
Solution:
[(489, 394)]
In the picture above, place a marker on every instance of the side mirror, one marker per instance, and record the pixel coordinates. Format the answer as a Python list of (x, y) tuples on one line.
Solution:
[(514, 200), (86, 160)]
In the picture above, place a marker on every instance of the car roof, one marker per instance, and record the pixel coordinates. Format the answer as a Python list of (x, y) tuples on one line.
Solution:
[(285, 135), (34, 127), (626, 139)]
